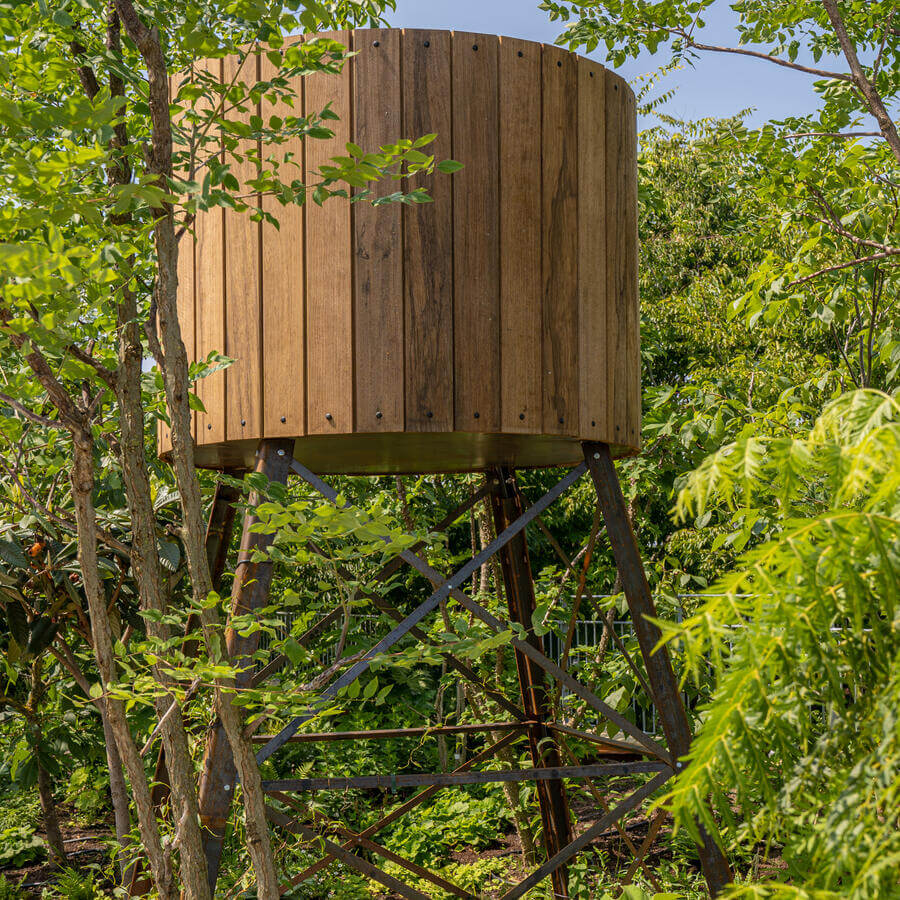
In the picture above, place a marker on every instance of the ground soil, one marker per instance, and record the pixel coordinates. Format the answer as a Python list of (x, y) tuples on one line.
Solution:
[(84, 845)]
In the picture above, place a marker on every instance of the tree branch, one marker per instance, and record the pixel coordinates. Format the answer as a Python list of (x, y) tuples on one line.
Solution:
[(832, 134), (70, 415), (83, 356), (85, 73), (756, 54), (25, 411), (845, 265), (866, 88)]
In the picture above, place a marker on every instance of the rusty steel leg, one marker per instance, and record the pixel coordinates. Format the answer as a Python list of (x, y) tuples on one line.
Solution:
[(249, 593), (666, 696), (507, 506)]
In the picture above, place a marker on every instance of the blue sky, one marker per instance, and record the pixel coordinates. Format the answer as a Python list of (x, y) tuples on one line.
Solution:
[(718, 85)]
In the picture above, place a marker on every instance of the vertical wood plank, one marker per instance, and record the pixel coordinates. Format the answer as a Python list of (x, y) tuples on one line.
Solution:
[(560, 241), (378, 236), (521, 405), (632, 262), (621, 260), (476, 233), (592, 334), (243, 331), (283, 325), (329, 273), (210, 305), (428, 238)]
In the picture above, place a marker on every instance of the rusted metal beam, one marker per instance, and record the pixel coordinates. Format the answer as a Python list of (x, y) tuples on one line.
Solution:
[(453, 662), (507, 506), (370, 870), (383, 574), (249, 593), (323, 823), (401, 810), (445, 779), (666, 695), (601, 801), (608, 746), (380, 734), (644, 849), (547, 664), (413, 619), (451, 588), (583, 840)]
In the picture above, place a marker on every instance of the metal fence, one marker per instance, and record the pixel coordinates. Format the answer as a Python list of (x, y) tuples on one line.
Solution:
[(588, 635)]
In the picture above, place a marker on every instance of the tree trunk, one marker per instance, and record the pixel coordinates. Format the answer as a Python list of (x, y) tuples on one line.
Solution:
[(175, 376), (82, 478), (118, 795), (510, 788), (148, 575), (45, 790), (118, 790)]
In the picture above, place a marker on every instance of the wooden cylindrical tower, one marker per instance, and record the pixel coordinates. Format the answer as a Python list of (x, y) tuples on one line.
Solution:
[(497, 325), (495, 328)]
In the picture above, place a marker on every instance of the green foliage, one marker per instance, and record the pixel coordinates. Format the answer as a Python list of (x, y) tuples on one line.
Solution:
[(477, 877), (804, 646), (8, 890), (19, 846), (87, 790), (73, 884), (455, 820), (18, 807)]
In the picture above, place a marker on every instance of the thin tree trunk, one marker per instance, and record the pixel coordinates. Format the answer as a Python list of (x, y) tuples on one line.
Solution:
[(175, 376), (148, 575), (48, 806), (82, 481), (45, 789), (118, 795), (510, 788), (101, 631), (866, 88), (118, 790)]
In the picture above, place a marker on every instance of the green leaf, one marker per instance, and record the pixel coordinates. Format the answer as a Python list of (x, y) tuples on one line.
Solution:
[(449, 166)]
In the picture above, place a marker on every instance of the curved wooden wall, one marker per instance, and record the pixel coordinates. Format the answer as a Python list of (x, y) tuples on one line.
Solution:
[(498, 324)]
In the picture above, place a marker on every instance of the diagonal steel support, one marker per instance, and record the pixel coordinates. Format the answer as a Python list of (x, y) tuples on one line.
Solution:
[(324, 823), (405, 807), (368, 869), (450, 587), (413, 619), (564, 855), (666, 696)]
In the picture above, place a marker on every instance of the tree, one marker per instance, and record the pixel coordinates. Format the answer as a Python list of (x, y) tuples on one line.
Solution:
[(93, 214), (792, 504), (826, 181)]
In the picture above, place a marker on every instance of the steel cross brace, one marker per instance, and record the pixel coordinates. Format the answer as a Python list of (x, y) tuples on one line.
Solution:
[(448, 587), (406, 806), (598, 461)]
